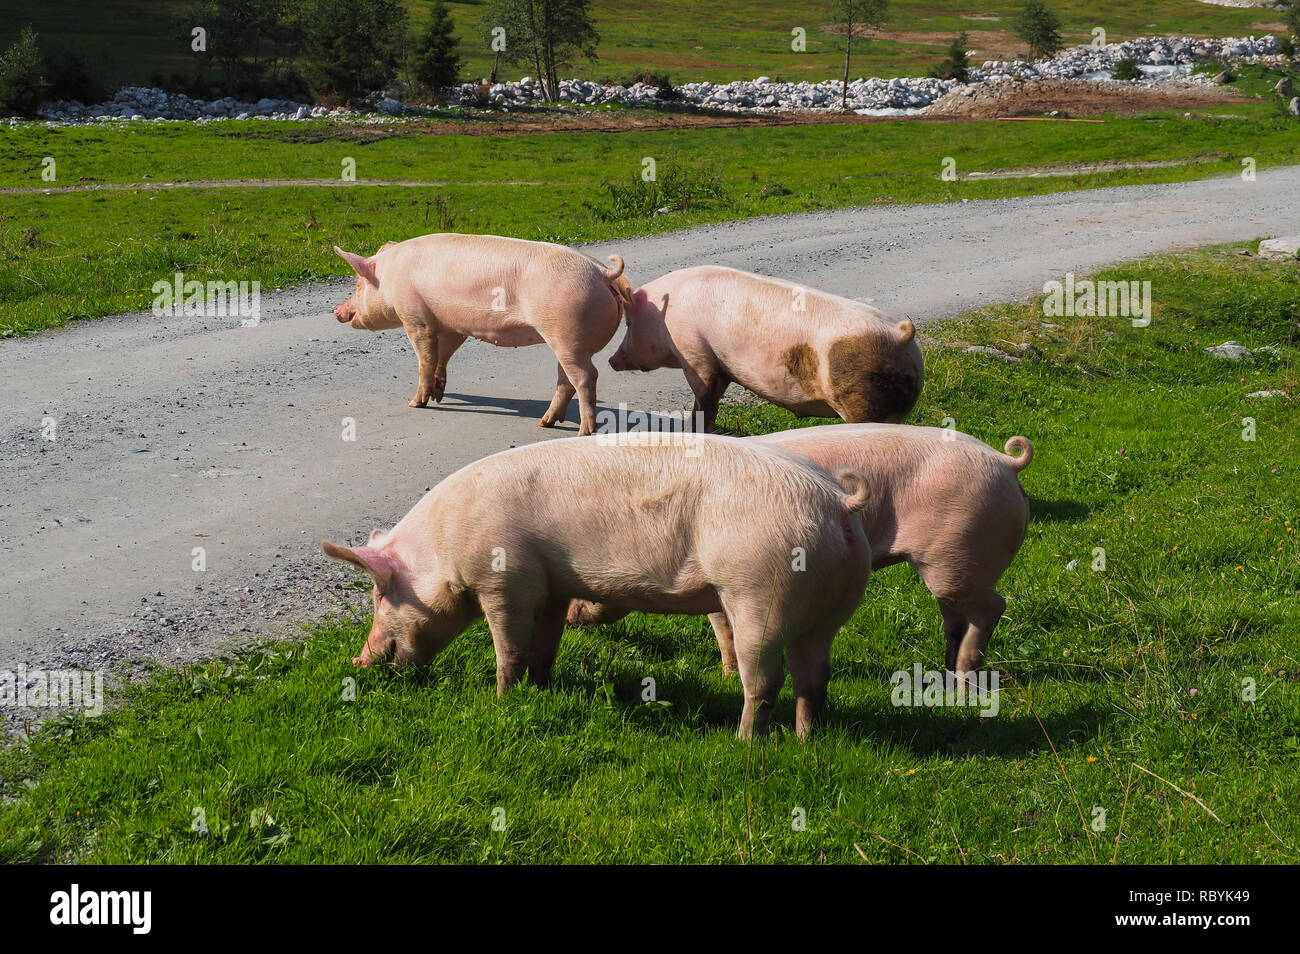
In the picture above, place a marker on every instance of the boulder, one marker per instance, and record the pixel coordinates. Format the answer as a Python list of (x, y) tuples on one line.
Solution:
[(1282, 249), (1230, 351)]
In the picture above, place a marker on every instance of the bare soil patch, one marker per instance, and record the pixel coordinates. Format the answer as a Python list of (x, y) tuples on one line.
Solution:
[(1073, 98)]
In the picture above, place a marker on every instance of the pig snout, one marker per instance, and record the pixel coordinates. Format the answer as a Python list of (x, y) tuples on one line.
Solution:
[(580, 610), (618, 361), (342, 313), (375, 650)]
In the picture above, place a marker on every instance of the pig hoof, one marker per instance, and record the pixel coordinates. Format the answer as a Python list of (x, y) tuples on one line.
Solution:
[(546, 422), (418, 401)]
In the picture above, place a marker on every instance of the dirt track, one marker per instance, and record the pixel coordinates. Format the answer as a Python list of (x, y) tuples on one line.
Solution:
[(182, 433)]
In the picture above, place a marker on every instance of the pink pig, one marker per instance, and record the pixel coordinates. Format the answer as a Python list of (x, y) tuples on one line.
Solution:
[(681, 523), (811, 352), (944, 502), (510, 292)]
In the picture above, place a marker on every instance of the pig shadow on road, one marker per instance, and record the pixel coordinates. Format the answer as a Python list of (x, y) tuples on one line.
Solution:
[(608, 419), (486, 404)]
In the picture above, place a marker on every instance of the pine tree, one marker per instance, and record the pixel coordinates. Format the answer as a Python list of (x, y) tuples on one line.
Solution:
[(436, 62)]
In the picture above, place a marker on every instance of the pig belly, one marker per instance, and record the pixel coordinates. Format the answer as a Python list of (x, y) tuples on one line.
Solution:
[(502, 330), (514, 337), (791, 395)]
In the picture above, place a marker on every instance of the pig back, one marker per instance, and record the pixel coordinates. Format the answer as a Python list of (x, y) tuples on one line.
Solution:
[(672, 520)]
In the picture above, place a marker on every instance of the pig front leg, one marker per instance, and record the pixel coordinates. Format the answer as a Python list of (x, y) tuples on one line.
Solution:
[(425, 344), (708, 385), (726, 642), (448, 342), (546, 644)]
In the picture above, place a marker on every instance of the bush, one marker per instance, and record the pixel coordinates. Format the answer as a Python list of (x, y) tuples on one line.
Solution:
[(1126, 69), (956, 66), (677, 187), (660, 81), (352, 47), (436, 64), (1040, 28), (22, 76)]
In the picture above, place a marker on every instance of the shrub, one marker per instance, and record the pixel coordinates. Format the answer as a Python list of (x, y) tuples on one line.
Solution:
[(1040, 28), (677, 187), (956, 66), (1126, 69), (436, 64), (22, 76)]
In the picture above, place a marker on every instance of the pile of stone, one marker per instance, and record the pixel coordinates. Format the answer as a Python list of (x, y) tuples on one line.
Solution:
[(1159, 58), (137, 102)]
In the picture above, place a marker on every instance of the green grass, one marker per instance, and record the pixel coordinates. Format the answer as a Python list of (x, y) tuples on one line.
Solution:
[(1138, 451), (50, 244), (127, 41)]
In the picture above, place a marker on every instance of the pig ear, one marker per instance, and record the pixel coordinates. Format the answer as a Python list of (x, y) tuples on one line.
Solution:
[(361, 265), (377, 564)]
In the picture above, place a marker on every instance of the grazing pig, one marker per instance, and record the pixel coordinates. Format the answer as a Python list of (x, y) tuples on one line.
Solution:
[(678, 523), (944, 502), (813, 353), (510, 292)]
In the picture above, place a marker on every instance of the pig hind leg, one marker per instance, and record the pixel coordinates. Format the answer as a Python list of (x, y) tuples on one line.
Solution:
[(581, 373), (809, 658), (761, 671), (564, 391), (968, 624)]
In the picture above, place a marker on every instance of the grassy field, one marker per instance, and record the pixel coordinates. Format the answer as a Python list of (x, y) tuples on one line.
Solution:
[(553, 186), (127, 41), (1122, 688)]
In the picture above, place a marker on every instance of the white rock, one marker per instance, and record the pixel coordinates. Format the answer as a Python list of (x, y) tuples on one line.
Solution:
[(1280, 249), (1229, 351)]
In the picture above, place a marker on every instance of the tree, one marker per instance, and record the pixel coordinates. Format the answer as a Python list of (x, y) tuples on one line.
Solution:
[(1040, 28), (353, 47), (253, 42), (855, 16), (22, 76), (544, 33), (956, 66), (436, 62)]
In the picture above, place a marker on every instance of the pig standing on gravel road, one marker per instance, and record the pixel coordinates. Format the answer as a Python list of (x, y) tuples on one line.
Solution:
[(813, 353), (510, 292), (677, 523), (944, 502)]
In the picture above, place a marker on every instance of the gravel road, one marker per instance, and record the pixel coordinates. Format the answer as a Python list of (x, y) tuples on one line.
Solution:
[(172, 434)]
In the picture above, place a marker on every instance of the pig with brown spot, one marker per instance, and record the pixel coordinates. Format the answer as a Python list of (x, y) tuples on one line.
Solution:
[(816, 354), (445, 288), (947, 504), (680, 523)]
